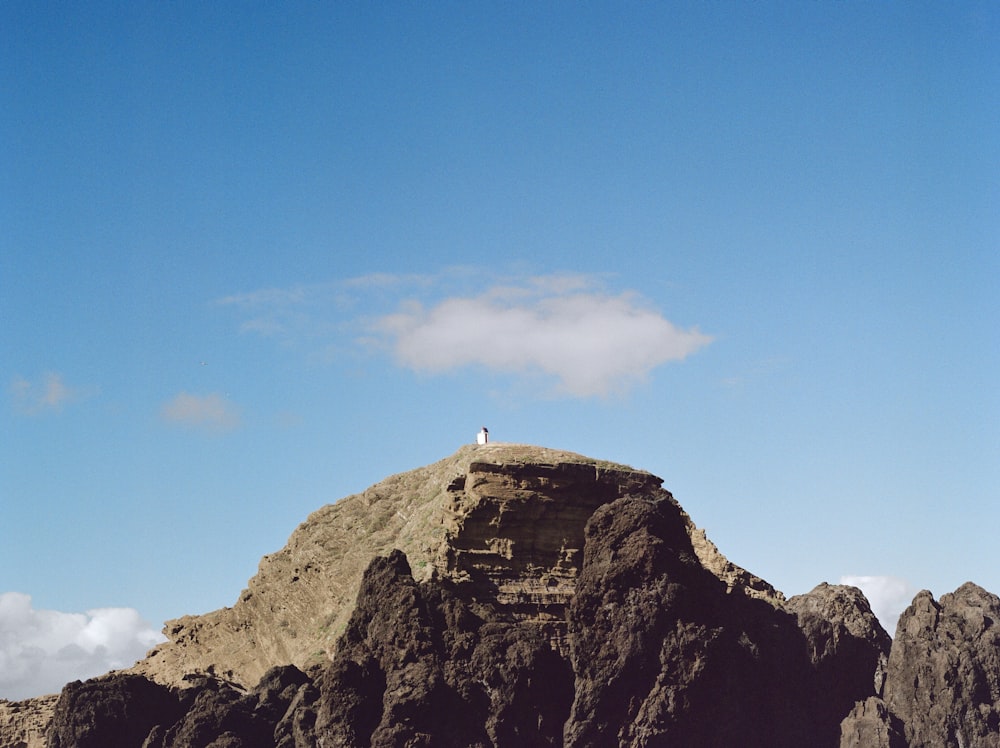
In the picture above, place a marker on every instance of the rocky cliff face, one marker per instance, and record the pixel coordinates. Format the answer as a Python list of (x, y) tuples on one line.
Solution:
[(518, 596)]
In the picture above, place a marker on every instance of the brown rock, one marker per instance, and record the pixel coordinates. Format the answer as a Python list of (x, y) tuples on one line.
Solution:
[(735, 578), (514, 529), (23, 723)]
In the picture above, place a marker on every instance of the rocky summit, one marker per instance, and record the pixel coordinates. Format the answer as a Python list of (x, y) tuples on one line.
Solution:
[(512, 595)]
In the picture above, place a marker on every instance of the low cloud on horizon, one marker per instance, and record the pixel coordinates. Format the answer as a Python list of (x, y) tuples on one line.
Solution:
[(583, 339), (42, 650)]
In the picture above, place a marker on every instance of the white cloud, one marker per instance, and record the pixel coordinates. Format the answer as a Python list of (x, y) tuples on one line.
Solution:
[(212, 412), (563, 326), (46, 395), (592, 343), (42, 650), (888, 597)]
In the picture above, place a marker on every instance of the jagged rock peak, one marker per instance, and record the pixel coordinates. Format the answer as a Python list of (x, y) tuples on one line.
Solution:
[(944, 670)]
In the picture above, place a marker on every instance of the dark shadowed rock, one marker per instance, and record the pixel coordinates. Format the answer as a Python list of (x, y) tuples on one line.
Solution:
[(870, 724), (131, 711), (664, 656), (944, 670), (276, 691), (386, 686), (420, 666), (118, 711), (296, 729), (216, 713)]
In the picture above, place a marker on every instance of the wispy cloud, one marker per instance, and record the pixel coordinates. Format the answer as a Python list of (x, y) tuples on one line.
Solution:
[(307, 312), (888, 596), (585, 340), (212, 412), (46, 395), (42, 650), (275, 312), (390, 280)]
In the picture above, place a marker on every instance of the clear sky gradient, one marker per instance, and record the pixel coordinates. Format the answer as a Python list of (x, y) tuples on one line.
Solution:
[(256, 257)]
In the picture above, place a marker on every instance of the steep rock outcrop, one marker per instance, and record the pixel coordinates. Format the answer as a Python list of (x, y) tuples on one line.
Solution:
[(943, 678), (665, 652), (661, 653), (847, 649), (664, 656), (735, 578), (419, 665), (870, 724), (514, 530)]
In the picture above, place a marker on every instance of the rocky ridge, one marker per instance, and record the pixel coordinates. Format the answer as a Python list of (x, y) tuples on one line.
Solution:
[(515, 595)]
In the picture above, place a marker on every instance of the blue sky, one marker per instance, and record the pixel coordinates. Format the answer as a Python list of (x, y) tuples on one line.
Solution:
[(256, 257)]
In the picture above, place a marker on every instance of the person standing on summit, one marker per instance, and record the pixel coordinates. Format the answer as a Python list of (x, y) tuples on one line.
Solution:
[(483, 436)]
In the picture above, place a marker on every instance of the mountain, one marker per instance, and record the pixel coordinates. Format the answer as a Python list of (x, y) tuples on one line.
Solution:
[(509, 517), (512, 595)]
